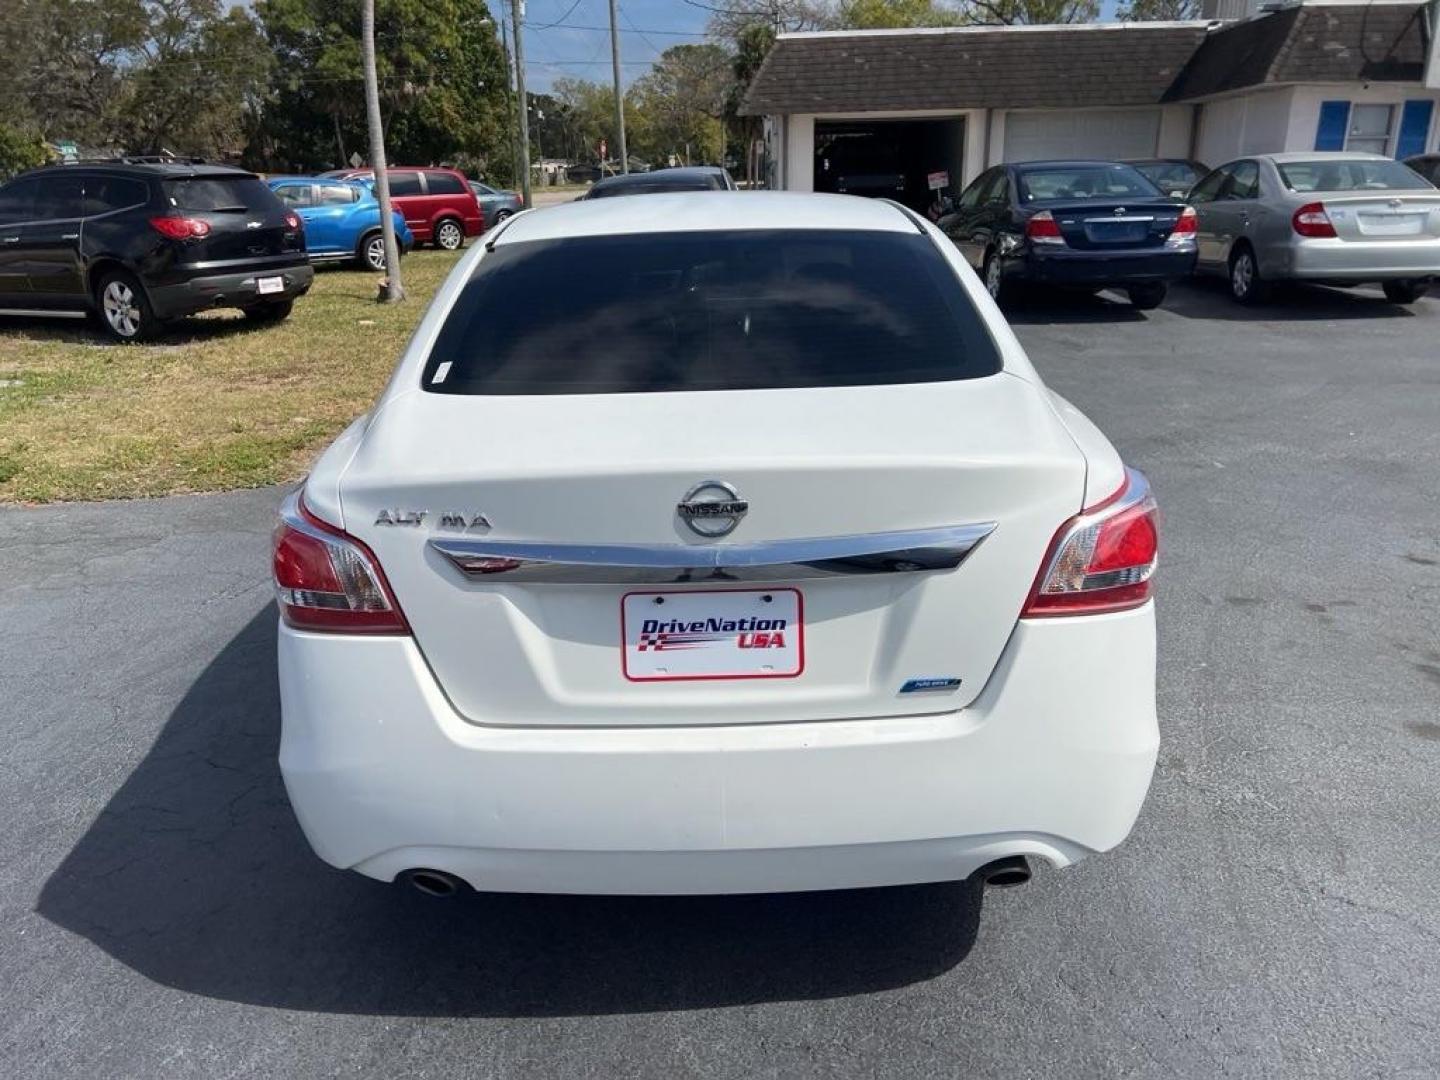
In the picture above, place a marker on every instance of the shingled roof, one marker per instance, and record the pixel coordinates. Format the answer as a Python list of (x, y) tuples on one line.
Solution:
[(973, 68), (1079, 66), (1351, 43)]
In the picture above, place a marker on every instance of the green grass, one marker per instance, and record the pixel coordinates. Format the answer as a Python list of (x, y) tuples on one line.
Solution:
[(214, 404)]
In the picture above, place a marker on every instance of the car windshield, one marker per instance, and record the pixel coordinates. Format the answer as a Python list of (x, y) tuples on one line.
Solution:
[(1170, 175), (732, 310), (1364, 175), (1053, 183), (218, 193)]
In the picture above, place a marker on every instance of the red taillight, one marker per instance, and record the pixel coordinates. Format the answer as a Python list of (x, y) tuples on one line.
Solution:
[(1187, 225), (293, 221), (327, 580), (1103, 559), (1311, 220), (1042, 228), (180, 228)]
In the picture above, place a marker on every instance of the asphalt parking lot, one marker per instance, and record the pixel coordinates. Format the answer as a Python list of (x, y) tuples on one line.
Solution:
[(1275, 914)]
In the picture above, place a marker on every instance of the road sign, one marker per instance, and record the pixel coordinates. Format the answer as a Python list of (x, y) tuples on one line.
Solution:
[(938, 180)]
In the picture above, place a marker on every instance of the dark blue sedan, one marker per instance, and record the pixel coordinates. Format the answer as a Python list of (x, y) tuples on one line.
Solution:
[(1077, 224), (342, 219)]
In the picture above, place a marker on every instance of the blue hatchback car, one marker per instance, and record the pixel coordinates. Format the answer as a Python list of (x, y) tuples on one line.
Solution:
[(342, 219)]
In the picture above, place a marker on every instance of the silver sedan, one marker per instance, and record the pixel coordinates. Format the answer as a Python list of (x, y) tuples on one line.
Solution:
[(1328, 218)]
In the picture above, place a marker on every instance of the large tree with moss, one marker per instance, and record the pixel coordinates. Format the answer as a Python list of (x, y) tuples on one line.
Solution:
[(442, 75)]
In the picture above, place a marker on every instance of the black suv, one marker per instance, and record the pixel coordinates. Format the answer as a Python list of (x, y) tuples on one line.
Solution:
[(137, 242)]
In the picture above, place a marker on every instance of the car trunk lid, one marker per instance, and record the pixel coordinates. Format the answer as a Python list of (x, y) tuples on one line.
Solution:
[(598, 474), (1104, 224), (1384, 215)]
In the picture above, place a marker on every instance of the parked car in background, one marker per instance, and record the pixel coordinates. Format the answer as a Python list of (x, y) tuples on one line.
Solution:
[(495, 204), (1427, 165), (686, 178), (342, 219), (1328, 218), (1173, 176), (1076, 224), (136, 242), (884, 618), (437, 203)]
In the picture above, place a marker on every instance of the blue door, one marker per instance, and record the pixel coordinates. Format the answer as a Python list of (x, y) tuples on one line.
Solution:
[(334, 218)]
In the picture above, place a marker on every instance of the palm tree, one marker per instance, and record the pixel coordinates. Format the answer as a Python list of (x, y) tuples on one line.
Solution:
[(394, 290)]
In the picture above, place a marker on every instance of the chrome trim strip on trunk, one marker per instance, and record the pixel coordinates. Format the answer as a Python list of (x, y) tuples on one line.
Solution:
[(912, 551)]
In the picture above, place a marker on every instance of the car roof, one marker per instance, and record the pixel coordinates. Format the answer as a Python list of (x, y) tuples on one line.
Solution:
[(1063, 163), (164, 170), (1319, 155), (706, 211), (699, 173)]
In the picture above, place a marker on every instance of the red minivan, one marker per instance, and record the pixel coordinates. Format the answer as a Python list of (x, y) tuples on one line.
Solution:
[(437, 203)]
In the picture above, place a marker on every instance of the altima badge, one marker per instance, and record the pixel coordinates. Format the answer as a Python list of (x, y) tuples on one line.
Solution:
[(452, 519), (401, 517), (712, 508)]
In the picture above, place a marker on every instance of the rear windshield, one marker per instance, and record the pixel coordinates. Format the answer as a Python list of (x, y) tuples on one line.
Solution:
[(607, 191), (218, 193), (1350, 176), (741, 310), (1084, 182), (1169, 175)]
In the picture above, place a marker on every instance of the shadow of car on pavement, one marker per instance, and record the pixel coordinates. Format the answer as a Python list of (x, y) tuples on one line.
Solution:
[(1209, 298), (195, 875)]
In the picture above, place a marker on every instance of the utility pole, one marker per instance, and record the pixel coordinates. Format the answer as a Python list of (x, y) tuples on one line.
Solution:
[(619, 94), (510, 85), (517, 15), (394, 291)]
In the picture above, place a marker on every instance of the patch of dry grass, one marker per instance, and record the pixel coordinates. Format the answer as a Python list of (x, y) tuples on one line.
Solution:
[(214, 404)]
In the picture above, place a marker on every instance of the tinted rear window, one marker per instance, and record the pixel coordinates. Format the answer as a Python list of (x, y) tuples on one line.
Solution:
[(218, 193), (1169, 175), (1350, 176), (1084, 182), (606, 191), (709, 311)]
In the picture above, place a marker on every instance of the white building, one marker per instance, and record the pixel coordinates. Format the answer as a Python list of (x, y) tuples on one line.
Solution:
[(889, 111)]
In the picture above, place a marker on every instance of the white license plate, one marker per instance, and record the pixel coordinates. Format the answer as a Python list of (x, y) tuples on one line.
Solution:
[(1391, 224), (266, 285), (712, 634)]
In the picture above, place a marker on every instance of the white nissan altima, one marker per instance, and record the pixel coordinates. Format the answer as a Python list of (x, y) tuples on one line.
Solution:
[(713, 543)]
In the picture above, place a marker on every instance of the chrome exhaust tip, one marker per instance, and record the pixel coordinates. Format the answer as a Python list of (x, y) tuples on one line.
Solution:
[(433, 882), (1006, 873)]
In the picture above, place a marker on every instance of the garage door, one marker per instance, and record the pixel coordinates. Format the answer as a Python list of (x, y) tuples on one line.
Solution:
[(1076, 133)]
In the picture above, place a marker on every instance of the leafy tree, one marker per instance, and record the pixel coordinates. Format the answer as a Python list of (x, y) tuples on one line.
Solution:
[(1032, 12), (1158, 10), (889, 14), (202, 81), (442, 76), (65, 64), (678, 105), (20, 150)]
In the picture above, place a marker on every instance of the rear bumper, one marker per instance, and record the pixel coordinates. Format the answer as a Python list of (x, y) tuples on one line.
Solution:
[(227, 290), (1356, 260), (1053, 759), (1072, 267)]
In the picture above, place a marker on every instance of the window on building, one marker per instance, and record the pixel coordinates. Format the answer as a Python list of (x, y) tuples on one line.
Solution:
[(1370, 127)]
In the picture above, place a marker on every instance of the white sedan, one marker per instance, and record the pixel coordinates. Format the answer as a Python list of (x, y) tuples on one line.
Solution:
[(716, 543)]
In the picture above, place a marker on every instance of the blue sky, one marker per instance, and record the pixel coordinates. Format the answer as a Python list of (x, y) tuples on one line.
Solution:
[(581, 47)]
